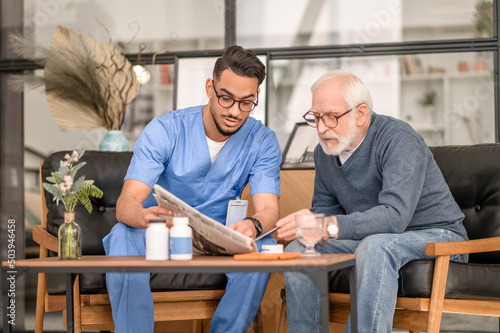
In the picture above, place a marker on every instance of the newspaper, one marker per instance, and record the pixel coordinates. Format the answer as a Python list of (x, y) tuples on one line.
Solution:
[(209, 236)]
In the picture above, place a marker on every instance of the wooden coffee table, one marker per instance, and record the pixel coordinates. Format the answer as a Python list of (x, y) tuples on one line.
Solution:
[(317, 268)]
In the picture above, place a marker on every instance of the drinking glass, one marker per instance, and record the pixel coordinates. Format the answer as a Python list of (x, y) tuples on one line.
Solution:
[(309, 229)]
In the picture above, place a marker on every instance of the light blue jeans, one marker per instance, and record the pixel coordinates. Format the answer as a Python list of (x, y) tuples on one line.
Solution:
[(378, 260), (132, 302)]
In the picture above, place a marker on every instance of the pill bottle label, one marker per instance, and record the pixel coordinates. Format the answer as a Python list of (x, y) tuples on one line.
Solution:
[(181, 248)]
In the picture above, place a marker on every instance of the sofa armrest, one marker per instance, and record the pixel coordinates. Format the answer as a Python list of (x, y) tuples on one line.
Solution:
[(470, 246), (44, 239)]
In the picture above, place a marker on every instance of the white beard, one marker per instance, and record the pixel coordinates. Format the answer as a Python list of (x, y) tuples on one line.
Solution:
[(342, 143)]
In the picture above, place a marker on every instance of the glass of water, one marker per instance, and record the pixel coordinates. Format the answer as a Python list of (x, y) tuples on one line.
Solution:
[(309, 229)]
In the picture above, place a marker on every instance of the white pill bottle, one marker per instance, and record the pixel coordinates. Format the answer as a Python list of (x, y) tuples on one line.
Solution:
[(157, 240), (181, 239)]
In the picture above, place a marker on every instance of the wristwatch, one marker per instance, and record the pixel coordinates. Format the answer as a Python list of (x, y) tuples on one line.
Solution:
[(332, 227), (256, 223)]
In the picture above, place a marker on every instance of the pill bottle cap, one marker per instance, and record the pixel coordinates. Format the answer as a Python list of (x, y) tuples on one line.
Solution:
[(157, 221)]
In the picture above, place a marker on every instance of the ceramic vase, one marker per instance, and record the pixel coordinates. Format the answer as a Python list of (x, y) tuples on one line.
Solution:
[(114, 140), (70, 239)]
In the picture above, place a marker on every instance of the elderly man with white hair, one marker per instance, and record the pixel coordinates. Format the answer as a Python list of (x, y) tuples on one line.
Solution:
[(383, 196)]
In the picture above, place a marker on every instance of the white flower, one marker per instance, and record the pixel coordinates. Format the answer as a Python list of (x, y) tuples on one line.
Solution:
[(68, 181)]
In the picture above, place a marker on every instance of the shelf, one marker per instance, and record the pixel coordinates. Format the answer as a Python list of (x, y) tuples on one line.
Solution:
[(442, 76), (428, 128), (422, 76)]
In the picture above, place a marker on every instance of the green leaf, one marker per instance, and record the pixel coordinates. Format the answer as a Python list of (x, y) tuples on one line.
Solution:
[(63, 171), (51, 179), (76, 168), (58, 179), (80, 152), (77, 185), (54, 190), (87, 190)]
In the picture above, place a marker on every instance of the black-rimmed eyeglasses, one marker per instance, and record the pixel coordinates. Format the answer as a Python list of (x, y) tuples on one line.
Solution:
[(227, 101), (330, 120)]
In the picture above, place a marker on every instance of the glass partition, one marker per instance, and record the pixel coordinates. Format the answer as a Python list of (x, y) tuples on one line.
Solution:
[(447, 98), (288, 23), (159, 24), (154, 98)]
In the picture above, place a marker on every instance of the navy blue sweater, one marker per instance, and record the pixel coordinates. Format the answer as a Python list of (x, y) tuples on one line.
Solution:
[(390, 184)]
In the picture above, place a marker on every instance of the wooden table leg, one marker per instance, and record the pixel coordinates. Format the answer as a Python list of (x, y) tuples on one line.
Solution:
[(320, 278), (354, 305), (70, 309)]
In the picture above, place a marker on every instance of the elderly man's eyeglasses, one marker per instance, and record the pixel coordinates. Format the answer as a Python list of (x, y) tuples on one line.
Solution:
[(227, 101), (329, 120)]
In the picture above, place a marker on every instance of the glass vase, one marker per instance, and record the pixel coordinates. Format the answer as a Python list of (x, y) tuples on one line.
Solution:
[(70, 239), (114, 140)]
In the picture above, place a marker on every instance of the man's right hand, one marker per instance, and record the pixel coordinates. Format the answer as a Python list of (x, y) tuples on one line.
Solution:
[(158, 213), (129, 209), (286, 225)]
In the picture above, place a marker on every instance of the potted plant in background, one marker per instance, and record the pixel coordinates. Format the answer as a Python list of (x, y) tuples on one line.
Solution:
[(428, 101), (63, 186), (483, 24), (88, 84)]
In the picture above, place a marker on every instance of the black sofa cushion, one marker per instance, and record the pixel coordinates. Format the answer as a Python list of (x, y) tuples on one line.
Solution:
[(473, 175), (96, 283), (415, 280), (108, 170)]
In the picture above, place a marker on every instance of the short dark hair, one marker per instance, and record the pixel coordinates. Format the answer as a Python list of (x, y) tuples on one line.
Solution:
[(242, 62)]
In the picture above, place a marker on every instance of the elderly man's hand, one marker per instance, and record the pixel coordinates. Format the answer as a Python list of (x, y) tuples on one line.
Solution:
[(286, 226)]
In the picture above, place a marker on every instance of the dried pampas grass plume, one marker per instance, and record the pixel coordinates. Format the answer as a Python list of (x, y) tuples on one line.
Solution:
[(88, 84)]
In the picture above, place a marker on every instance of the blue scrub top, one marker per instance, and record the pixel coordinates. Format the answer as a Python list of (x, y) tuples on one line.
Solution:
[(172, 151)]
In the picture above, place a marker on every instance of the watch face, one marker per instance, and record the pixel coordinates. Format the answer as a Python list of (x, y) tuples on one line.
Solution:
[(332, 230)]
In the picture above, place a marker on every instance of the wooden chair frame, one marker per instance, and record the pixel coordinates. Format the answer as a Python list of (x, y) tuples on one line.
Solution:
[(424, 314), (93, 311)]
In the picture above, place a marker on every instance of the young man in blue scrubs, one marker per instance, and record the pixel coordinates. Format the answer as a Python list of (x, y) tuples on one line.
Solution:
[(201, 154)]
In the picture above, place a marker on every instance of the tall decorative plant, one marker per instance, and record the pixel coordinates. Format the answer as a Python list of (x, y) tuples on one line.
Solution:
[(483, 24), (483, 18), (88, 84), (428, 101)]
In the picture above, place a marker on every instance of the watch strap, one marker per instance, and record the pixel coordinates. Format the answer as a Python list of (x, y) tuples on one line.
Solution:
[(256, 223)]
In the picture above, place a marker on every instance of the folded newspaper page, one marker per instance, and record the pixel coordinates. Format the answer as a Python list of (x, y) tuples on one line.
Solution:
[(209, 236)]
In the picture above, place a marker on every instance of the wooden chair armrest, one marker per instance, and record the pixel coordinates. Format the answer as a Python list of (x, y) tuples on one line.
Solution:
[(470, 246), (43, 238)]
